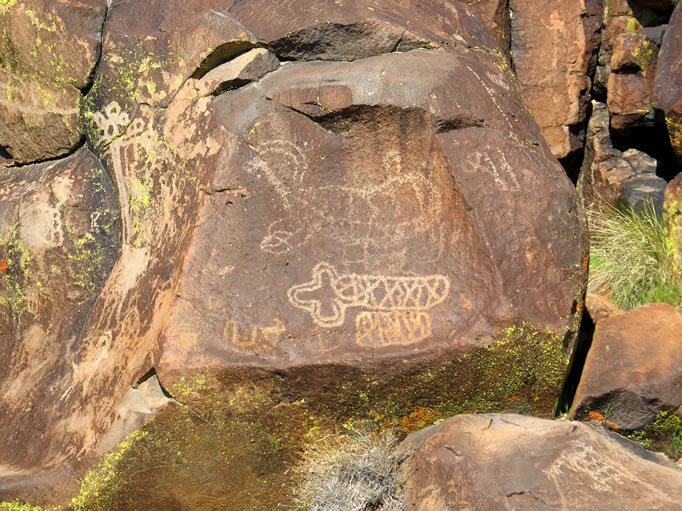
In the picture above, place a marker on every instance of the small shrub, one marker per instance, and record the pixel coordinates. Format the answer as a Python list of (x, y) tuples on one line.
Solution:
[(629, 258), (357, 472)]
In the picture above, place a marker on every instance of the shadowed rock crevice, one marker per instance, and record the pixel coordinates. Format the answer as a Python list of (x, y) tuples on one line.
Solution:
[(222, 54), (575, 368), (346, 42), (3, 152)]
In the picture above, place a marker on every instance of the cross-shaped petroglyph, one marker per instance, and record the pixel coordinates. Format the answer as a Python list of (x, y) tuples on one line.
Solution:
[(395, 307)]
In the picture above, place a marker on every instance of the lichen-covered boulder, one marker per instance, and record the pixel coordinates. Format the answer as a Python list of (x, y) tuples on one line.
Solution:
[(59, 238), (630, 84), (48, 51), (327, 212)]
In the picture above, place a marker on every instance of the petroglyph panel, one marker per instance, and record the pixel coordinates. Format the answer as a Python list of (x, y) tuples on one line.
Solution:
[(502, 173), (398, 305), (110, 122), (400, 208), (263, 337), (376, 329)]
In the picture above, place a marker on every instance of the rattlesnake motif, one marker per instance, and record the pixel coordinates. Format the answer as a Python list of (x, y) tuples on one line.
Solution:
[(377, 293)]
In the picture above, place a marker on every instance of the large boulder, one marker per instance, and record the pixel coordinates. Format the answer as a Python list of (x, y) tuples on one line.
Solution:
[(48, 51), (525, 463), (634, 367), (630, 84), (326, 211), (668, 85), (553, 61)]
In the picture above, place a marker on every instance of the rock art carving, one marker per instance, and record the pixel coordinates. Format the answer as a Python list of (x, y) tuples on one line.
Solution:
[(506, 179), (288, 156), (395, 307), (110, 121), (389, 328), (285, 165), (276, 241), (260, 336)]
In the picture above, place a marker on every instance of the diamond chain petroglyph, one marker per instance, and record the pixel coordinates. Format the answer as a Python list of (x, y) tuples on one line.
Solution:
[(395, 307)]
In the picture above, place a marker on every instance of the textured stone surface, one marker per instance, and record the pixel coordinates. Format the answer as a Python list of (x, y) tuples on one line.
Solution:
[(495, 15), (668, 86), (59, 237), (634, 367), (633, 68), (553, 60), (47, 53), (524, 463), (315, 240), (608, 174)]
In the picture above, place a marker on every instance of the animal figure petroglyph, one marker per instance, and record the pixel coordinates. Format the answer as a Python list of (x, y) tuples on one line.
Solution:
[(395, 306), (413, 200)]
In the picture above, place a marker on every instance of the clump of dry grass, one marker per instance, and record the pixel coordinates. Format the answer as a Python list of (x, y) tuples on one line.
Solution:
[(356, 472), (629, 258)]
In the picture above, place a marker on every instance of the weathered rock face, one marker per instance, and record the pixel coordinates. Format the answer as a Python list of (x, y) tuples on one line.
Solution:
[(525, 463), (356, 215), (553, 62), (633, 68), (634, 367), (47, 53), (495, 15), (59, 236), (608, 174), (668, 86), (320, 205)]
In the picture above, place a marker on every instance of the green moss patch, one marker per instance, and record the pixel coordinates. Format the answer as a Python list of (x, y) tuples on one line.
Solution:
[(232, 437)]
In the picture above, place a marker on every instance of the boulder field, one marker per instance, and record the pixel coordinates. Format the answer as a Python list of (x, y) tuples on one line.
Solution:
[(231, 228)]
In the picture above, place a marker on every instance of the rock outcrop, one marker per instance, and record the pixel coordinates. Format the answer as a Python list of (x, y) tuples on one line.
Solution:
[(609, 175), (525, 463), (634, 367), (325, 210), (668, 84), (554, 60), (48, 52)]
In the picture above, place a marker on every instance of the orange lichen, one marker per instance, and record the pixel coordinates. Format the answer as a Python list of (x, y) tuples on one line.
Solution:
[(596, 416), (3, 264), (418, 419), (611, 424)]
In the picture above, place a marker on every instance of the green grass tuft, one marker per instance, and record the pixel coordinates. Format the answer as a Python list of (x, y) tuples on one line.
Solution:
[(629, 258)]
